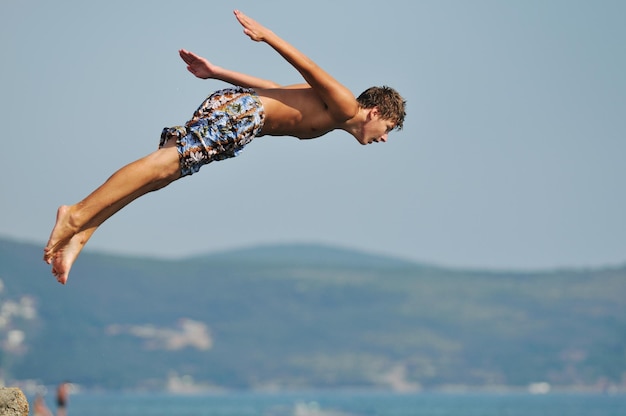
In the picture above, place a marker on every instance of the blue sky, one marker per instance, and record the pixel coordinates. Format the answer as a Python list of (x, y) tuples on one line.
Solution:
[(512, 154)]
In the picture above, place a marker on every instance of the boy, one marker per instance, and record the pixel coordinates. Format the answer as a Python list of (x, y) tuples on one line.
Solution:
[(221, 127)]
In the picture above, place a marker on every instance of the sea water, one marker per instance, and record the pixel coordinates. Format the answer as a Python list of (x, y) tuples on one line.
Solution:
[(348, 404)]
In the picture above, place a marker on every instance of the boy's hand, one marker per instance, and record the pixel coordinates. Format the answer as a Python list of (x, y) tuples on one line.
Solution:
[(198, 65), (251, 27)]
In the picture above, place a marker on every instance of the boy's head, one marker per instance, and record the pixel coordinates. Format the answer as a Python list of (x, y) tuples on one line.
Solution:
[(389, 103)]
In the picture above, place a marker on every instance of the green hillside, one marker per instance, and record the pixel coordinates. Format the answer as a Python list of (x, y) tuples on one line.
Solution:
[(306, 317)]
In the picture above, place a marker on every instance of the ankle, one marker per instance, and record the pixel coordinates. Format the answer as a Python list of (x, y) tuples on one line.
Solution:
[(73, 217)]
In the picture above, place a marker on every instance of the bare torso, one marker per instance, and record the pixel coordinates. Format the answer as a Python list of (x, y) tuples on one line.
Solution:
[(295, 111)]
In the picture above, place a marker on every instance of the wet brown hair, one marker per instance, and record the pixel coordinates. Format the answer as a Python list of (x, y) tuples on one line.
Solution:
[(390, 104)]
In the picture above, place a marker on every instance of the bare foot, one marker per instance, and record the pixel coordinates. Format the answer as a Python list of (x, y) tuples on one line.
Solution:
[(65, 256), (61, 234)]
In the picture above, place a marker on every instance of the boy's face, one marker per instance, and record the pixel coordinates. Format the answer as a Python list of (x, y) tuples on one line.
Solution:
[(376, 129)]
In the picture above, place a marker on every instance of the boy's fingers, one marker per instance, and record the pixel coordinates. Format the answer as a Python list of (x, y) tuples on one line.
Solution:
[(183, 55), (188, 57), (243, 19)]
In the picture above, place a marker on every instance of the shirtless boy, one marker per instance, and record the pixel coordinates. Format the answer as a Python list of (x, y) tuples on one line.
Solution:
[(221, 127)]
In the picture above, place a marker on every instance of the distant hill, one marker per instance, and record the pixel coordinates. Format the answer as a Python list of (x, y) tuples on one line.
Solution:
[(305, 316), (304, 255)]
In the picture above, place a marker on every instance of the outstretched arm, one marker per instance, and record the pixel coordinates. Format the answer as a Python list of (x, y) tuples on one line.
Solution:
[(204, 69), (340, 101)]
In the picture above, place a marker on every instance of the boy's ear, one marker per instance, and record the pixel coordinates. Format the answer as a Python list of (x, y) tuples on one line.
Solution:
[(374, 112)]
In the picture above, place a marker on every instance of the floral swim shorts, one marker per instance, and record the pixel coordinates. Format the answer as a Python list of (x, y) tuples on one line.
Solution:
[(220, 128)]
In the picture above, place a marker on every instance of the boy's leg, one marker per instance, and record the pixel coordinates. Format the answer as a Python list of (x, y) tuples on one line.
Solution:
[(76, 223)]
